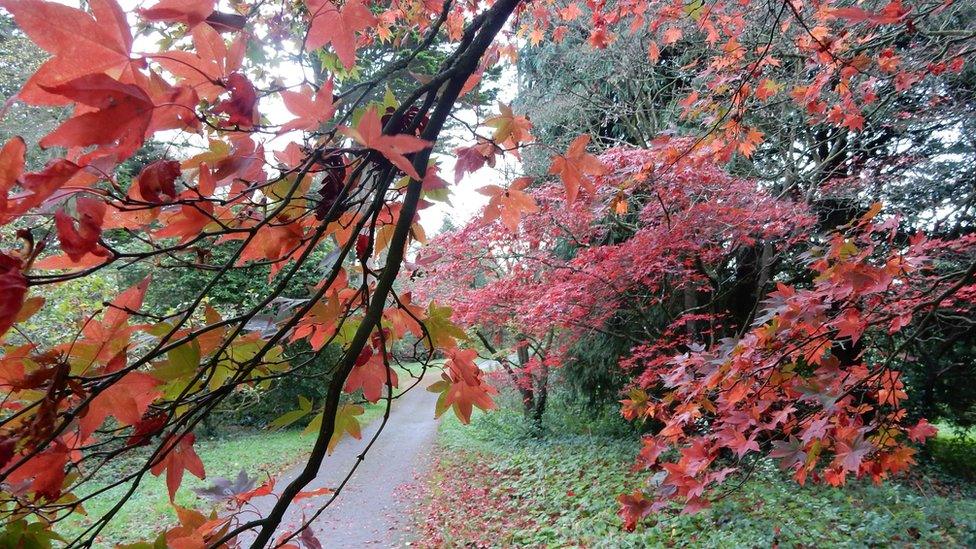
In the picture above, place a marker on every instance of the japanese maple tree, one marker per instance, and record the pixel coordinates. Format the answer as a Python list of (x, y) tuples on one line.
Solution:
[(344, 175)]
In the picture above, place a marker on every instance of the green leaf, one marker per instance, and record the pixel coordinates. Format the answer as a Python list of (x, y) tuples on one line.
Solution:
[(389, 100), (33, 535), (286, 419), (442, 331), (346, 422), (186, 357), (442, 387), (314, 425)]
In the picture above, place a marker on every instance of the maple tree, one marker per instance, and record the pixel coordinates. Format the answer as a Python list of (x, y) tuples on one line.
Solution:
[(809, 375), (346, 174)]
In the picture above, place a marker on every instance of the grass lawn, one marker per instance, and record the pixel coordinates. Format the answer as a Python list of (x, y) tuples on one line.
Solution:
[(955, 451), (149, 510), (259, 453), (490, 489)]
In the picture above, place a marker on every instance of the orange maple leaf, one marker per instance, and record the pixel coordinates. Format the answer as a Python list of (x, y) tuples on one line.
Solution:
[(462, 387), (369, 133), (187, 222), (509, 204), (749, 142), (371, 378), (312, 110), (654, 52), (575, 166), (510, 129)]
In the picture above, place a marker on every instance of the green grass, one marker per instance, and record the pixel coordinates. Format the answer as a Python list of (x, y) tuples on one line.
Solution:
[(560, 491), (148, 511), (954, 451)]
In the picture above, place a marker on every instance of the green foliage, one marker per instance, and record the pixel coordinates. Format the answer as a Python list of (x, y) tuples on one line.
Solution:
[(613, 93), (593, 374), (940, 377), (19, 58), (568, 412), (68, 306), (259, 407), (563, 490), (954, 451), (237, 290)]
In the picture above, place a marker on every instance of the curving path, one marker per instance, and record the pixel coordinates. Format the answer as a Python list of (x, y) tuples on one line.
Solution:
[(372, 510)]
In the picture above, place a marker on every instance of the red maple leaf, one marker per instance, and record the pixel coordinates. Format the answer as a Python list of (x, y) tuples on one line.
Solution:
[(241, 107), (117, 314), (471, 159), (338, 27), (850, 455), (179, 456), (190, 12), (126, 399), (42, 474), (205, 68), (120, 117), (81, 239), (633, 507), (265, 489), (13, 289), (156, 183), (11, 167), (312, 110), (850, 325), (81, 44), (789, 452), (734, 440), (39, 186), (146, 428), (369, 133), (575, 166), (313, 493), (922, 430)]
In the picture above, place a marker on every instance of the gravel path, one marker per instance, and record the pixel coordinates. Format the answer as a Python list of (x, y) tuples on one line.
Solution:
[(373, 509)]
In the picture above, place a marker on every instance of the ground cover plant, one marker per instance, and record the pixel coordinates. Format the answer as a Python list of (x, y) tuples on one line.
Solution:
[(551, 491)]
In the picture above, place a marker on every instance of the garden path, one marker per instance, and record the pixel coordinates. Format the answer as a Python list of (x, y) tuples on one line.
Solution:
[(374, 508)]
